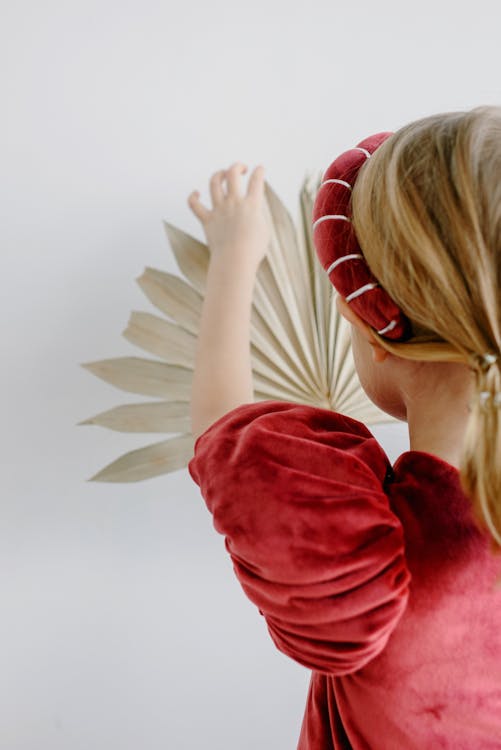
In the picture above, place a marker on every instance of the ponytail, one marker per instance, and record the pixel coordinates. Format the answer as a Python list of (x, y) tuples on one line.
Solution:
[(480, 473)]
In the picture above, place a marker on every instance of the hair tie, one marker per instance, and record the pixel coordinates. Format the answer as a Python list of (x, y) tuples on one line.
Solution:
[(339, 252), (483, 362), (485, 396)]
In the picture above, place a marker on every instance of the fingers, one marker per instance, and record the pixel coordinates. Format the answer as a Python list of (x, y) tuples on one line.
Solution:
[(198, 209), (256, 182), (233, 178), (216, 186)]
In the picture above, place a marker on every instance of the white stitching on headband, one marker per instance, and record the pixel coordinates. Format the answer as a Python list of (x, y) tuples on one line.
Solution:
[(360, 291), (391, 325), (364, 150), (339, 182), (341, 259), (329, 216)]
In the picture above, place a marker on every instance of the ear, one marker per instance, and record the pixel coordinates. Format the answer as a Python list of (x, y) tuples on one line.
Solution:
[(378, 353)]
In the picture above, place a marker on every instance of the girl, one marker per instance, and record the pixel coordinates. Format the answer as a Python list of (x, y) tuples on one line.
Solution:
[(380, 579)]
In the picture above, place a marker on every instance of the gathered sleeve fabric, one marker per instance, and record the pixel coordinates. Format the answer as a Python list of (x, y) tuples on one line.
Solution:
[(298, 493)]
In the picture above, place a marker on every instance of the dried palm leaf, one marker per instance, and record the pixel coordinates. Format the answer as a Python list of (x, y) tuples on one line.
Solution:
[(300, 345)]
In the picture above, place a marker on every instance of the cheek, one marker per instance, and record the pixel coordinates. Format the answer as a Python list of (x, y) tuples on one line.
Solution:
[(368, 373), (361, 354), (375, 379)]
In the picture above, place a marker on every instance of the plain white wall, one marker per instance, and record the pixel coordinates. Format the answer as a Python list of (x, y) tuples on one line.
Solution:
[(122, 624)]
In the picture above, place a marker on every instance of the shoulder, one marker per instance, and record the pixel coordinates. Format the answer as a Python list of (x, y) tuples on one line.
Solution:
[(328, 442)]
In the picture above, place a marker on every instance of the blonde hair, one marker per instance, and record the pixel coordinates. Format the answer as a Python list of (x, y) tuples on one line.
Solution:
[(426, 209)]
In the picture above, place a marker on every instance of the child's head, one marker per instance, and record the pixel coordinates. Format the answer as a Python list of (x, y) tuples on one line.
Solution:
[(416, 391), (426, 210)]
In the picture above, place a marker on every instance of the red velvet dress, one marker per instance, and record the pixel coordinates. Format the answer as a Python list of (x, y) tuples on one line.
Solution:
[(374, 577)]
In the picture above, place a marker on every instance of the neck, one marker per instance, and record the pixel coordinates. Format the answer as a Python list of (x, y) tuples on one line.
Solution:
[(438, 416)]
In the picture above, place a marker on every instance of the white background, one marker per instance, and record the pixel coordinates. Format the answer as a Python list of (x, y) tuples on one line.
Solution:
[(121, 623)]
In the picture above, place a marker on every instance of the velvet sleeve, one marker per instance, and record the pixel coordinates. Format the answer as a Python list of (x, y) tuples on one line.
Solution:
[(297, 491)]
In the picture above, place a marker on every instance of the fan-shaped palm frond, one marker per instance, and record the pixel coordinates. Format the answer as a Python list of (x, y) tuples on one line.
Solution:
[(300, 345)]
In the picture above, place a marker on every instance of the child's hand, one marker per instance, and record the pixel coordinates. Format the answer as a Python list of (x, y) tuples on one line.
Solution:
[(236, 224)]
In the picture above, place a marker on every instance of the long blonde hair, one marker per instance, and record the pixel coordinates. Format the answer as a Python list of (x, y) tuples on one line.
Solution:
[(426, 209)]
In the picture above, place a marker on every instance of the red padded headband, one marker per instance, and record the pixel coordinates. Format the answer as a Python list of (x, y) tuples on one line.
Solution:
[(338, 249)]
